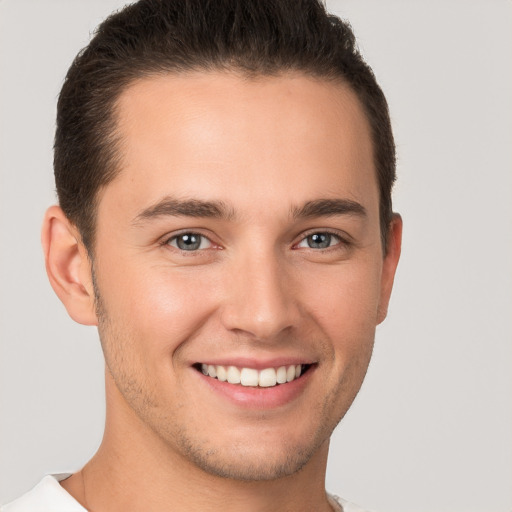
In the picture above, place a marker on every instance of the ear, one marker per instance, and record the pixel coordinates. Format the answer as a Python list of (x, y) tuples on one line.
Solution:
[(68, 266), (394, 247)]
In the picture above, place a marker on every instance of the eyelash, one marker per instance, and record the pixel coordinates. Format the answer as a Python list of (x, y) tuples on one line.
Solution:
[(340, 241)]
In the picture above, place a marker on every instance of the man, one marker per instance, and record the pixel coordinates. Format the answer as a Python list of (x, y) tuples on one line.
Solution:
[(224, 172)]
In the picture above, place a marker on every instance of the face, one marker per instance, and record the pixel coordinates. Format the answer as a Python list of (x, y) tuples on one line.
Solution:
[(238, 268)]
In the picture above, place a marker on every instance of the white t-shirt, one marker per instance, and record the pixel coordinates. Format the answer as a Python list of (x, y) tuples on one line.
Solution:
[(49, 496)]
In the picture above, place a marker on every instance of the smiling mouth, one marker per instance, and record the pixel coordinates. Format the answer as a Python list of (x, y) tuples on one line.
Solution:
[(251, 377)]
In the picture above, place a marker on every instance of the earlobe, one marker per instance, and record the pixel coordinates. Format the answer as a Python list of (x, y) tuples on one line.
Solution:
[(394, 247), (68, 266)]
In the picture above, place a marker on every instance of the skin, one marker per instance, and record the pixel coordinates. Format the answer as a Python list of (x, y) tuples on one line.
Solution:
[(255, 289)]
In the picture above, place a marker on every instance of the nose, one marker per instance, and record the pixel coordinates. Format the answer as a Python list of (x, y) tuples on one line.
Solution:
[(259, 298)]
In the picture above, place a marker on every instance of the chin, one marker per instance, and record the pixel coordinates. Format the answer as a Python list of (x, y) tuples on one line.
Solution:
[(269, 457), (259, 467)]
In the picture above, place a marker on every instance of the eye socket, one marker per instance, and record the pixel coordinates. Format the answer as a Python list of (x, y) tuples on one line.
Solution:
[(189, 242), (320, 240)]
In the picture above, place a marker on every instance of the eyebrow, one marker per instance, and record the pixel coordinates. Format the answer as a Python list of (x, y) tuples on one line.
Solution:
[(328, 208), (169, 206)]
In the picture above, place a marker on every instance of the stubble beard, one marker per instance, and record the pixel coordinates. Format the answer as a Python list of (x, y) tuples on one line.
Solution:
[(180, 439)]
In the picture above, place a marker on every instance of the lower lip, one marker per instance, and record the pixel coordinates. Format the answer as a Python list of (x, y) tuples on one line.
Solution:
[(256, 397)]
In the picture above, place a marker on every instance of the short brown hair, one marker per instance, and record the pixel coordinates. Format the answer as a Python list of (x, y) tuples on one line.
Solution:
[(151, 37)]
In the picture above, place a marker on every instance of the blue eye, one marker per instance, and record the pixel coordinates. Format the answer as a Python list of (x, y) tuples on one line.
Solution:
[(320, 240), (190, 242)]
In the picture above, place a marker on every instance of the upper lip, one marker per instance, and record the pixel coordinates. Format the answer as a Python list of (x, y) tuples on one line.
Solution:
[(257, 364)]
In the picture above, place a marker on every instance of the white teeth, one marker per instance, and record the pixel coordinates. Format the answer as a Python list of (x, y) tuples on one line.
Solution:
[(249, 377), (281, 375), (266, 378), (233, 375), (222, 374)]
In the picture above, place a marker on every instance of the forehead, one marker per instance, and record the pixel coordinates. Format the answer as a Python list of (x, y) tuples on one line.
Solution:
[(288, 138)]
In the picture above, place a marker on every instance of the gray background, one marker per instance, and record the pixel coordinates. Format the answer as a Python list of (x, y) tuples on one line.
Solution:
[(432, 428)]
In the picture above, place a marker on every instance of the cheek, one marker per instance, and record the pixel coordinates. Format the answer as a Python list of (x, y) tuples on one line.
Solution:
[(345, 300), (159, 307)]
